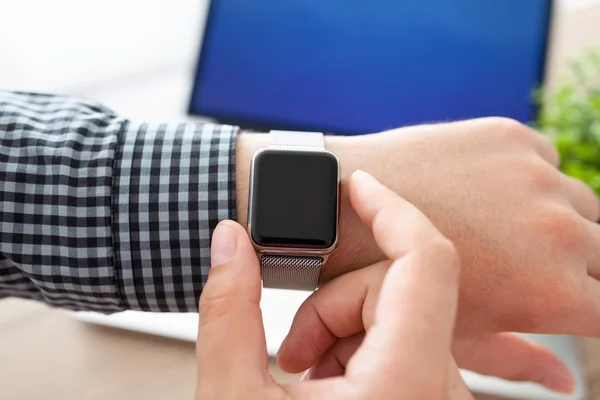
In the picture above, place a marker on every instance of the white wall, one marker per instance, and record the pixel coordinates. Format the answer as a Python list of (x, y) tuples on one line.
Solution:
[(576, 27), (69, 45), (137, 56)]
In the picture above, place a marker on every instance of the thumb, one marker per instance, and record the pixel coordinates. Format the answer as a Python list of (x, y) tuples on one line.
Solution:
[(231, 338)]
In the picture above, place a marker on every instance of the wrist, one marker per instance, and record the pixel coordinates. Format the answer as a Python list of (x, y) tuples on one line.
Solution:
[(247, 144), (356, 247)]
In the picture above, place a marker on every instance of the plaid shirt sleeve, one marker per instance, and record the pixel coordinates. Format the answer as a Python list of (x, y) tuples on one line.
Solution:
[(101, 213)]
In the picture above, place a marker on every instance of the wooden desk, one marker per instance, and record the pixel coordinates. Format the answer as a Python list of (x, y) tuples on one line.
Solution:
[(45, 354)]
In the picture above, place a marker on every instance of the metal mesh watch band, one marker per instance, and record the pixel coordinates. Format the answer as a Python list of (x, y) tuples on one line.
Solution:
[(290, 272)]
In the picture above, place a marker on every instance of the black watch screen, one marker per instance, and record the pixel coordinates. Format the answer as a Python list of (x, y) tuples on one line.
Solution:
[(294, 199)]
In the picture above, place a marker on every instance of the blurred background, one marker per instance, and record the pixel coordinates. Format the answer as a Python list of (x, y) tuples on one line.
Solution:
[(374, 66), (339, 66)]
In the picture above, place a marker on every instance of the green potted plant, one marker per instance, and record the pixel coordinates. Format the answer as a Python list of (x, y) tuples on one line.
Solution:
[(570, 116)]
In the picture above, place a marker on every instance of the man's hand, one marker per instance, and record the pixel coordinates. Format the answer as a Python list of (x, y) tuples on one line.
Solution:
[(406, 350), (330, 325), (525, 233)]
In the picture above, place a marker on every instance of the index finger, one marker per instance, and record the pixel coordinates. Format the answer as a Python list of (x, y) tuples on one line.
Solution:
[(414, 318), (398, 226)]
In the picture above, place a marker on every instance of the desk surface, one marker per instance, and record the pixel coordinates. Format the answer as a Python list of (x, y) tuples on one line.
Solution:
[(45, 354)]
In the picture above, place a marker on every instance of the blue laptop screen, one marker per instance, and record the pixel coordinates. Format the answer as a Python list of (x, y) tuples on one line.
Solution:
[(358, 66)]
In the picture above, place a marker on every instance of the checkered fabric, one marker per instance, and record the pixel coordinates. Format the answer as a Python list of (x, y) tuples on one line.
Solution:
[(101, 213)]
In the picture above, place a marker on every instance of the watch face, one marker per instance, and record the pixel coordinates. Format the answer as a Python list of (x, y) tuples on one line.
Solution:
[(294, 199)]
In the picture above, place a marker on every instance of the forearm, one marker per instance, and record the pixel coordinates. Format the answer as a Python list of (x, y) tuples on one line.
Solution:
[(99, 213), (356, 247)]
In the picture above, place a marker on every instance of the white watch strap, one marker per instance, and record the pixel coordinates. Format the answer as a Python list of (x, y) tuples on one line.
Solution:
[(297, 140), (292, 271)]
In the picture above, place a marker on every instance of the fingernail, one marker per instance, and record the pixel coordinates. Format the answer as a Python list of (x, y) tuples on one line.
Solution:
[(224, 244), (560, 380), (305, 376)]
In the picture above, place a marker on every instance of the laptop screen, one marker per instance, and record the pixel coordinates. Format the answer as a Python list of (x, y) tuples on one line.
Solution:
[(357, 66)]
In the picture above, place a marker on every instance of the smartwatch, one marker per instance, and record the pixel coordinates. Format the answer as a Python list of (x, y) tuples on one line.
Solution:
[(293, 208)]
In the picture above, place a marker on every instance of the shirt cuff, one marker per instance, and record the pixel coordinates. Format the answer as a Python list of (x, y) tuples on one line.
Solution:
[(172, 184)]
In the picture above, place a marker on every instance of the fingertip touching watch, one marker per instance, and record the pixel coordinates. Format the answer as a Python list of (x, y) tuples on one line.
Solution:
[(293, 208)]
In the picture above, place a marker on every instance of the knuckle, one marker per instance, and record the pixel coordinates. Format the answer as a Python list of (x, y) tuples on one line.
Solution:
[(505, 124), (212, 307), (541, 174), (563, 229), (512, 130)]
